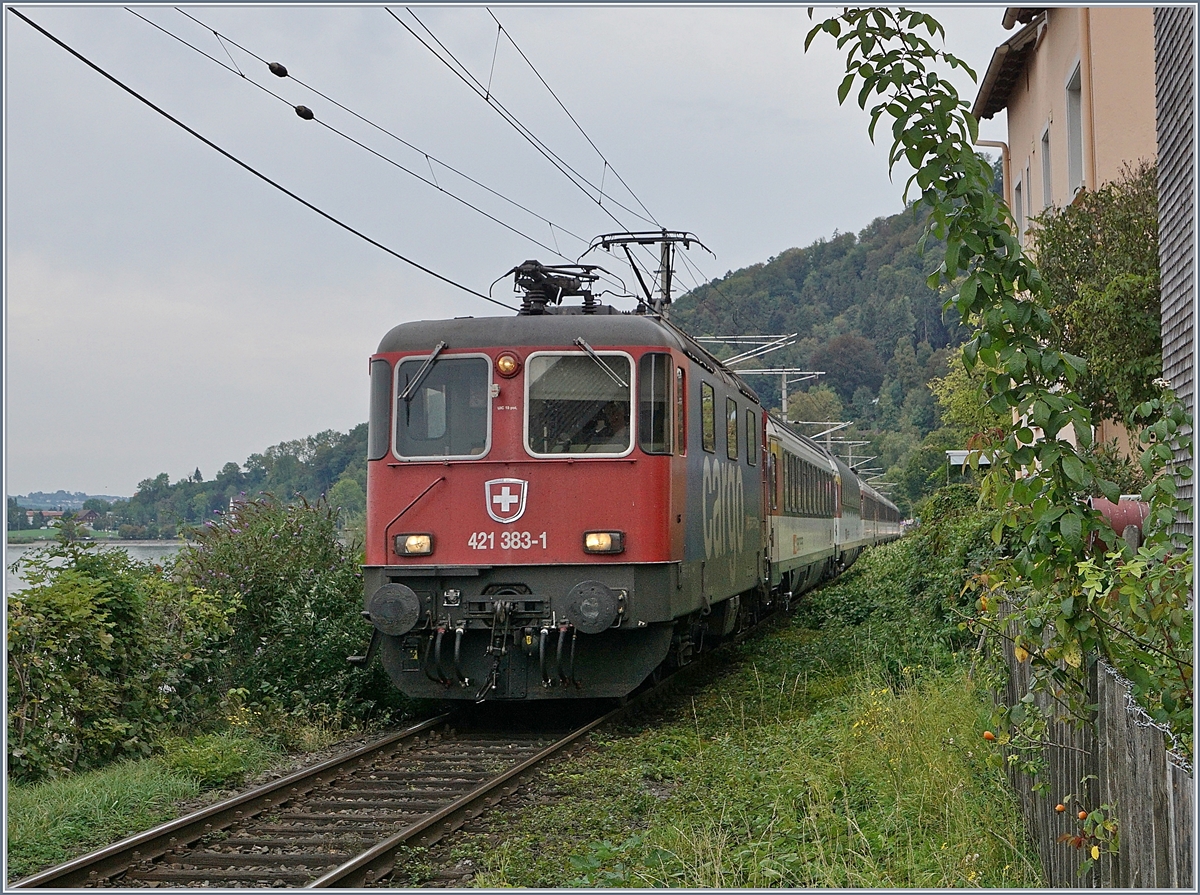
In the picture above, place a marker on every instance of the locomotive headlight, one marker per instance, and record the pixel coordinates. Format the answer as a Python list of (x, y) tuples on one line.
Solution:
[(604, 541), (414, 545), (507, 364)]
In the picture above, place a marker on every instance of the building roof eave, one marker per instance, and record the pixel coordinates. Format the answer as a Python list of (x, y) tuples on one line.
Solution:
[(1022, 14), (1008, 61)]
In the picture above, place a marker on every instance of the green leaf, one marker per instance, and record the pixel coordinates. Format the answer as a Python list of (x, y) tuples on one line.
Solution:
[(844, 87), (1070, 527), (1073, 469)]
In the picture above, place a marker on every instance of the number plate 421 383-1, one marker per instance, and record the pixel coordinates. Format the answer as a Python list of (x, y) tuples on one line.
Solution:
[(506, 540)]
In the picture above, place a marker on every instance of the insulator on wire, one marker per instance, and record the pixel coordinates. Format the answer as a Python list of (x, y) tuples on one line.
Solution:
[(304, 112), (278, 69)]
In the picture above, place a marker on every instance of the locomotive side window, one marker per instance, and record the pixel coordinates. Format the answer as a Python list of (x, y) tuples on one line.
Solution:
[(654, 403), (731, 429), (751, 437), (380, 419), (680, 412), (577, 405), (442, 409), (708, 421)]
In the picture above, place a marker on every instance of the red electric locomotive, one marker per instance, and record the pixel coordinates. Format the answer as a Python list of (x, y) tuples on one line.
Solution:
[(562, 502)]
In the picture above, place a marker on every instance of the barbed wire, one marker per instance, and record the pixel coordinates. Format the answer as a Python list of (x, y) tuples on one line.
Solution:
[(1141, 718)]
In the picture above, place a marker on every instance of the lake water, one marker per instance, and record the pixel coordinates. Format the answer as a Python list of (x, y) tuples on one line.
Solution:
[(143, 550)]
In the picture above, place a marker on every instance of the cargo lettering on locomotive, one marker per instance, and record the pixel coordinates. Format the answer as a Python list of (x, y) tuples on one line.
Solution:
[(723, 487)]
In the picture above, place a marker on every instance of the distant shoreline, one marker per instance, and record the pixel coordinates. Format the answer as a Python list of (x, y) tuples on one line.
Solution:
[(118, 542)]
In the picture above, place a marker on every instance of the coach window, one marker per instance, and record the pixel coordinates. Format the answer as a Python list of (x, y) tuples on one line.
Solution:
[(654, 403), (442, 408), (751, 437), (708, 421), (731, 429), (680, 412), (772, 476), (578, 403)]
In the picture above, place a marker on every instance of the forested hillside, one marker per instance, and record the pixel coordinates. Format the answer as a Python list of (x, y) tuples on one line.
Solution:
[(329, 463), (863, 315)]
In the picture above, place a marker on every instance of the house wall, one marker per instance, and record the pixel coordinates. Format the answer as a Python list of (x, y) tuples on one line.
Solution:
[(1114, 50)]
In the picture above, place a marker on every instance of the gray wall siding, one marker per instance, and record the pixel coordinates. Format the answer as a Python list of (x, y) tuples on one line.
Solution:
[(1175, 101)]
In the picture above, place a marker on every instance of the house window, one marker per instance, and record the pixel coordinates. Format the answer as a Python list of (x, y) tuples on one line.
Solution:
[(1047, 187), (1019, 209), (1074, 133)]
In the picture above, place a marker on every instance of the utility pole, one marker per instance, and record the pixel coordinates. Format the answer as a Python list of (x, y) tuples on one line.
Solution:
[(664, 273), (760, 345)]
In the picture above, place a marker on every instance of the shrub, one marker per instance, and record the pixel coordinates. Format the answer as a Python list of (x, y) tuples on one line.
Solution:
[(103, 651), (910, 592), (299, 594)]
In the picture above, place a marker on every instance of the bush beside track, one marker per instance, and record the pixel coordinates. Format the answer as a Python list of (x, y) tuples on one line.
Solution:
[(248, 628)]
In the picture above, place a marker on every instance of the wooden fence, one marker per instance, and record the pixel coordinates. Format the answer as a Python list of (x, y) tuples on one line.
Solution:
[(1121, 759)]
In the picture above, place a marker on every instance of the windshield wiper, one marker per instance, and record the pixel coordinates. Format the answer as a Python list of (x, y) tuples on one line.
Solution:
[(594, 356), (411, 388)]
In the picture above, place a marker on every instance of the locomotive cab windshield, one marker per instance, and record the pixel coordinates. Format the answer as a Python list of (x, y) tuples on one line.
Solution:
[(442, 409), (576, 405)]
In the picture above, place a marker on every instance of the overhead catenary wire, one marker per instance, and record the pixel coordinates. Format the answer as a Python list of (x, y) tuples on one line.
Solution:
[(452, 62), (248, 167), (607, 164), (223, 39), (460, 70), (428, 156)]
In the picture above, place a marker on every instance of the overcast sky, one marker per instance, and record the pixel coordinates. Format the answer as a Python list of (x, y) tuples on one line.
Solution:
[(167, 310)]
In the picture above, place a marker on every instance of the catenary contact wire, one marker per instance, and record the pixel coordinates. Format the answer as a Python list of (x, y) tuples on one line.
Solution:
[(251, 169)]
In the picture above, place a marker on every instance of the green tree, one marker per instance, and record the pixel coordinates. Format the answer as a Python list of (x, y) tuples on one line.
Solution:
[(17, 520), (1099, 259), (849, 362), (817, 404), (350, 500), (964, 409)]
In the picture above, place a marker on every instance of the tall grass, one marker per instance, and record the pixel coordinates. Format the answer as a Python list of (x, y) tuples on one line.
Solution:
[(886, 788), (842, 751), (55, 820), (51, 822)]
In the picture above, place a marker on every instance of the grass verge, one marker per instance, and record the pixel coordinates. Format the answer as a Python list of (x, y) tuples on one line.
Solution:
[(54, 821), (792, 771)]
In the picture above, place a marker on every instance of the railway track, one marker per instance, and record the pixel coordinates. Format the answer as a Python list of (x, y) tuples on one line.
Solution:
[(337, 824), (340, 823)]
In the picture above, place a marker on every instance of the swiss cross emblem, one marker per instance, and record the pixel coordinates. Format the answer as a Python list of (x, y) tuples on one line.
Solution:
[(505, 498)]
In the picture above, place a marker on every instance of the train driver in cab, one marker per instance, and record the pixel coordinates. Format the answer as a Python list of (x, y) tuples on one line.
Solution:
[(610, 432)]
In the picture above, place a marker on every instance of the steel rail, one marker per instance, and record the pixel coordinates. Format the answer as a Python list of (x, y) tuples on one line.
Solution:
[(162, 839), (377, 862)]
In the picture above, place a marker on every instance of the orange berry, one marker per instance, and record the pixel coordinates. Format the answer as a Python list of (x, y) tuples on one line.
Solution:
[(1060, 807), (988, 735), (1083, 815)]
